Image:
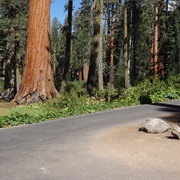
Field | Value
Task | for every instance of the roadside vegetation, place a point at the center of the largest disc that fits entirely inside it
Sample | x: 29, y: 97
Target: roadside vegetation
x: 76, y: 101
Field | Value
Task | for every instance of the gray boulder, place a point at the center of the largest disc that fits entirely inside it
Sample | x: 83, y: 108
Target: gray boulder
x: 154, y: 125
x: 175, y: 131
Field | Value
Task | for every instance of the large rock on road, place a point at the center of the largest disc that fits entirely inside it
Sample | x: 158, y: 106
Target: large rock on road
x: 154, y: 125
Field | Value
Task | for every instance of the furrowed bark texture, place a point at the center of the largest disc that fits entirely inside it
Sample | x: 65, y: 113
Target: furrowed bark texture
x: 94, y: 49
x: 155, y: 46
x: 37, y: 82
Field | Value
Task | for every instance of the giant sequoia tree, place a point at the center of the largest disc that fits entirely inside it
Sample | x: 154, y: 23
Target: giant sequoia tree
x: 37, y: 82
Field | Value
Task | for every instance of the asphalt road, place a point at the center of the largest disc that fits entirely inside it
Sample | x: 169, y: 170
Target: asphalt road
x: 60, y: 149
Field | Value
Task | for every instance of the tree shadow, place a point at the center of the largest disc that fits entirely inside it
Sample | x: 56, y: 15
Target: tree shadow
x: 172, y: 108
x: 172, y: 138
x: 168, y: 107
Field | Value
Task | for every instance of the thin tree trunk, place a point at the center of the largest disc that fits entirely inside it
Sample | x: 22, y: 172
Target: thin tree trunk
x: 126, y: 59
x: 68, y: 47
x: 37, y: 81
x: 111, y: 51
x: 54, y: 61
x: 85, y: 70
x: 134, y: 69
x: 100, y: 56
x: 155, y: 45
x: 166, y: 56
x: 18, y: 74
x: 94, y: 48
x: 130, y: 56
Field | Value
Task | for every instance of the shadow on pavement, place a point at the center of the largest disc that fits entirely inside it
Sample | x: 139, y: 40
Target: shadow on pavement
x: 168, y: 107
x: 175, y: 118
x: 174, y: 109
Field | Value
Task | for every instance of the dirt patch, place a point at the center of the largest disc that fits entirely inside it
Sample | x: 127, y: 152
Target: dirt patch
x: 138, y: 149
x: 8, y: 105
x: 5, y: 108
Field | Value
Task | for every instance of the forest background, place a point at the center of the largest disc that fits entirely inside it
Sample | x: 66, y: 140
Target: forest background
x: 107, y: 54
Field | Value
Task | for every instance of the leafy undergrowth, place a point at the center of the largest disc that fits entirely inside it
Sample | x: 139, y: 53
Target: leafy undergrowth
x: 76, y: 102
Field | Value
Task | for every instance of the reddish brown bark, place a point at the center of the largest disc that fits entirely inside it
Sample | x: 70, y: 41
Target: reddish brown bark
x: 111, y: 51
x: 155, y: 46
x: 37, y: 82
x: 111, y: 45
x: 83, y: 72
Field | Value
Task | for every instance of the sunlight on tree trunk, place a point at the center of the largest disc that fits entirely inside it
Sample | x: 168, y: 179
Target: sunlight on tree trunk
x: 126, y: 59
x: 100, y: 56
x: 37, y: 81
x: 155, y: 46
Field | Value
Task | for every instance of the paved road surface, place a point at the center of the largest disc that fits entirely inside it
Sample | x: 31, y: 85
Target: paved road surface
x: 58, y: 150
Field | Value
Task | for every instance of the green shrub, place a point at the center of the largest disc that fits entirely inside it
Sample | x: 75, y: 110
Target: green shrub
x: 145, y: 99
x: 77, y: 86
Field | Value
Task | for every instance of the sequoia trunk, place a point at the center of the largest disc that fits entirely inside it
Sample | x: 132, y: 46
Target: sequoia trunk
x: 37, y: 81
x: 155, y: 45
